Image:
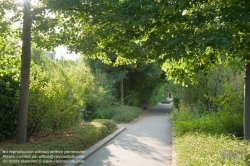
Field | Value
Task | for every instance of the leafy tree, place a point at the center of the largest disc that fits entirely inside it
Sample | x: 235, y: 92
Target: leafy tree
x: 141, y: 80
x: 8, y: 39
x: 185, y: 36
x: 220, y: 88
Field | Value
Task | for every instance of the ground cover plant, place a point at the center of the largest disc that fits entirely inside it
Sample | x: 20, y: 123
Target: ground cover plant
x: 120, y: 113
x: 209, y: 138
x: 77, y: 138
x: 213, y: 150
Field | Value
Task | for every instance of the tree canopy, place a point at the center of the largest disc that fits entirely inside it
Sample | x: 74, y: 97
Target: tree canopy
x: 182, y: 36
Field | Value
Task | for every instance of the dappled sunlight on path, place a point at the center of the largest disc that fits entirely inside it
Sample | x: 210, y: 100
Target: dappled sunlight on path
x: 146, y: 142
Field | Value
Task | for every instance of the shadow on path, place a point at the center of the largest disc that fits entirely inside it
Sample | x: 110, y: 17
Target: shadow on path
x: 146, y: 142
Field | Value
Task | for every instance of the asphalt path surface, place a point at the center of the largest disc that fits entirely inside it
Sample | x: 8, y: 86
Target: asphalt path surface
x: 147, y: 142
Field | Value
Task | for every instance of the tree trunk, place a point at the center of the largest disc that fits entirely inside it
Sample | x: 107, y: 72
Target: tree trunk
x: 247, y: 102
x: 122, y: 92
x: 25, y: 75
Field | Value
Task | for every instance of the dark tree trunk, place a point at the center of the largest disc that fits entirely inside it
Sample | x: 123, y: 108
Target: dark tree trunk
x: 247, y: 102
x: 122, y: 92
x: 25, y: 75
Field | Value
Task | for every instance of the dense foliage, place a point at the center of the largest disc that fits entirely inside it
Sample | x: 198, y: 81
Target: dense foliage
x: 184, y: 37
x: 62, y: 93
x: 9, y: 87
x: 221, y: 86
x: 208, y: 119
x: 189, y: 120
x: 58, y: 92
x: 187, y: 39
x: 55, y: 95
x: 143, y: 82
x: 214, y: 107
x: 10, y: 64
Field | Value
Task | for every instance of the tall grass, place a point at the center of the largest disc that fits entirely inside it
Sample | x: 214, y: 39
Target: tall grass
x: 213, y: 150
x: 209, y: 137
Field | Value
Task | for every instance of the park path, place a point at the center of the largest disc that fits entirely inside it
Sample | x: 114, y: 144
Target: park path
x: 147, y: 142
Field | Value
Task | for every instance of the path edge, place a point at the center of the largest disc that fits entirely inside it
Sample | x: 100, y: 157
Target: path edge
x: 174, y: 155
x: 85, y: 154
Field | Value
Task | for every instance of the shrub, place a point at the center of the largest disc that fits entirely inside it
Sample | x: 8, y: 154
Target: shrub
x: 133, y: 99
x: 177, y: 103
x: 232, y: 100
x: 122, y: 113
x: 9, y: 89
x: 220, y: 122
x: 222, y: 83
x: 98, y: 98
x: 9, y: 95
x: 156, y: 93
x: 56, y: 95
x: 103, y: 113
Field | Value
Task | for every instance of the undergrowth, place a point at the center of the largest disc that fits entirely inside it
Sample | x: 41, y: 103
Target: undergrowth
x: 209, y: 137
x: 119, y: 113
x: 211, y: 122
x: 77, y: 138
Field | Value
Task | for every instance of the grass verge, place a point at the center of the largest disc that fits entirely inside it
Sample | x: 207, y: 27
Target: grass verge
x: 61, y: 145
x: 202, y: 149
x: 65, y: 144
x: 209, y: 138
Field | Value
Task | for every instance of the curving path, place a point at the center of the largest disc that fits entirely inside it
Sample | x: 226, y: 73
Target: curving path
x: 147, y: 142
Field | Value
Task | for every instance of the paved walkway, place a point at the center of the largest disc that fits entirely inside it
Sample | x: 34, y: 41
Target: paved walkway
x: 147, y: 142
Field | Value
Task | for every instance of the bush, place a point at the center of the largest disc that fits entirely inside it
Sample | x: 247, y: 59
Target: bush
x: 156, y: 93
x: 9, y: 95
x: 133, y: 99
x: 103, y: 113
x: 99, y: 97
x: 220, y: 122
x: 177, y: 103
x: 56, y: 95
x: 222, y: 83
x: 232, y: 100
x: 122, y: 113
x: 9, y: 89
